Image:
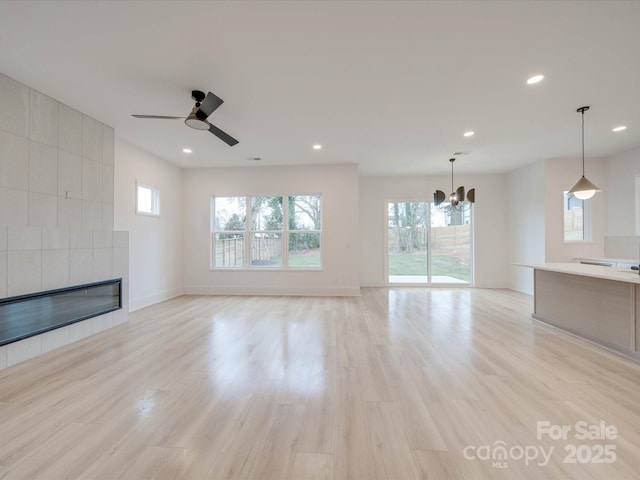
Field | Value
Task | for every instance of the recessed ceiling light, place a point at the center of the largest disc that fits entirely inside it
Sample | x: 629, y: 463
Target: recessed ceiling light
x: 535, y: 79
x: 187, y: 150
x: 620, y: 128
x: 317, y: 146
x: 469, y: 134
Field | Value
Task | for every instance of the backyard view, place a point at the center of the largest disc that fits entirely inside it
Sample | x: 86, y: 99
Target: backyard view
x: 414, y: 228
x: 281, y: 231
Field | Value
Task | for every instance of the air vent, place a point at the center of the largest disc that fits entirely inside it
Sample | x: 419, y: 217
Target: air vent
x: 461, y: 153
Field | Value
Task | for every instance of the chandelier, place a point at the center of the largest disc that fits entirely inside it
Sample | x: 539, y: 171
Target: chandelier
x: 456, y: 198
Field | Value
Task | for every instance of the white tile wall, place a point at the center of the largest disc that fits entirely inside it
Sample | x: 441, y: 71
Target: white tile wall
x: 24, y: 272
x: 91, y: 215
x: 14, y: 207
x: 91, y: 180
x: 80, y: 330
x: 14, y: 107
x: 120, y: 316
x: 107, y: 145
x: 55, y: 339
x: 69, y: 213
x: 91, y: 139
x: 56, y: 209
x: 4, y: 243
x: 43, y: 118
x: 69, y: 130
x: 43, y: 209
x: 107, y: 184
x: 107, y: 217
x: 24, y: 350
x: 53, y: 238
x: 3, y: 261
x: 3, y: 357
x: 49, y: 148
x: 14, y: 161
x: 43, y: 168
x: 69, y: 175
x: 103, y: 322
x: 80, y: 266
x: 80, y: 239
x: 3, y: 274
x: 622, y: 247
x: 102, y: 239
x: 24, y: 238
x: 102, y: 264
x: 55, y: 269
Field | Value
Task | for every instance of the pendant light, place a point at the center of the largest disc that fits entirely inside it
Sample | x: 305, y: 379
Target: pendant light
x: 456, y: 198
x: 584, y: 189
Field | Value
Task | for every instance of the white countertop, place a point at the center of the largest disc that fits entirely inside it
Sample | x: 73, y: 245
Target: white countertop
x: 595, y: 271
x: 609, y: 260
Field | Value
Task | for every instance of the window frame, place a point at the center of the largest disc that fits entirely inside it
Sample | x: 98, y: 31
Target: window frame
x: 249, y: 232
x: 587, y: 219
x: 155, y: 200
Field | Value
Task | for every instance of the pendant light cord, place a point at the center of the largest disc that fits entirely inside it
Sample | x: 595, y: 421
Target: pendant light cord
x: 452, y: 160
x: 583, y: 143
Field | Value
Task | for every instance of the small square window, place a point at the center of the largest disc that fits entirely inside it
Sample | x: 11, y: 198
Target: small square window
x: 147, y: 200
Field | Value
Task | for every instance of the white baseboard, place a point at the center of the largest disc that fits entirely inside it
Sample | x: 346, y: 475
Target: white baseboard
x: 273, y: 290
x: 138, y: 303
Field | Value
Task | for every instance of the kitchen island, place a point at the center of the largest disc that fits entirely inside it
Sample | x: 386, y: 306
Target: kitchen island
x: 600, y: 304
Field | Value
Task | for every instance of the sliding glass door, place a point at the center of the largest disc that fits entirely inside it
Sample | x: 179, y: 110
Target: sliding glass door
x: 407, y: 242
x: 428, y: 246
x: 451, y: 246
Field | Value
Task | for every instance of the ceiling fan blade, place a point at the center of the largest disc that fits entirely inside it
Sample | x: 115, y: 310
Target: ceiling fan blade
x: 208, y: 105
x: 161, y: 117
x: 228, y: 139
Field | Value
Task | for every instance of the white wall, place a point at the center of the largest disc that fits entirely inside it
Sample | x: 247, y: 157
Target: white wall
x: 536, y: 216
x: 559, y: 176
x: 155, y: 243
x: 490, y: 224
x: 621, y: 171
x: 338, y: 185
x: 526, y: 217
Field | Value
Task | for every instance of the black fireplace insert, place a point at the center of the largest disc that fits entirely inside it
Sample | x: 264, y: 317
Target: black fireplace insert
x: 28, y: 315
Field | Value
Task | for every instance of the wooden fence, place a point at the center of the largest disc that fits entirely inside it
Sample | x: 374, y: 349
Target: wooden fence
x: 229, y: 252
x: 451, y: 236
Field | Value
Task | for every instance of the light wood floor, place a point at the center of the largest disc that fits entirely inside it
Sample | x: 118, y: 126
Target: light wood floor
x: 396, y: 384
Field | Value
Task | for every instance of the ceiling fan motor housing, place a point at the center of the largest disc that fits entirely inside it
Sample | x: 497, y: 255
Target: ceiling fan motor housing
x: 198, y: 96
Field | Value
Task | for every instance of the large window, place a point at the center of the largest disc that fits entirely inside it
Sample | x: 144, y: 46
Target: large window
x: 281, y: 232
x: 577, y: 219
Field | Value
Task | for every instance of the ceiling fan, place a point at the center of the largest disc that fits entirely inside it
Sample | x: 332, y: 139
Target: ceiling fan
x: 205, y: 106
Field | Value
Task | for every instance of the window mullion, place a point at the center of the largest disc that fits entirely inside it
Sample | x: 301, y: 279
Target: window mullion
x: 285, y: 231
x: 248, y: 235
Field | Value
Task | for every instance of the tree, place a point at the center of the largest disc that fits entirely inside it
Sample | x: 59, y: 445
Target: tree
x: 234, y: 223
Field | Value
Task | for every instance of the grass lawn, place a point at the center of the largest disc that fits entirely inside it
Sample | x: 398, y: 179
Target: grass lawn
x: 300, y: 260
x: 416, y: 264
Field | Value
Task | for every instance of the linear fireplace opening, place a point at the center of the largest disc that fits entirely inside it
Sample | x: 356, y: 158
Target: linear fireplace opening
x: 28, y: 315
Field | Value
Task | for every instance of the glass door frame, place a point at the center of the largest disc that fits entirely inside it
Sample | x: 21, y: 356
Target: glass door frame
x: 429, y: 282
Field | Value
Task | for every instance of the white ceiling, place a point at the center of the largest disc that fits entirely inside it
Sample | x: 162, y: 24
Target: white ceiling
x: 389, y: 85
